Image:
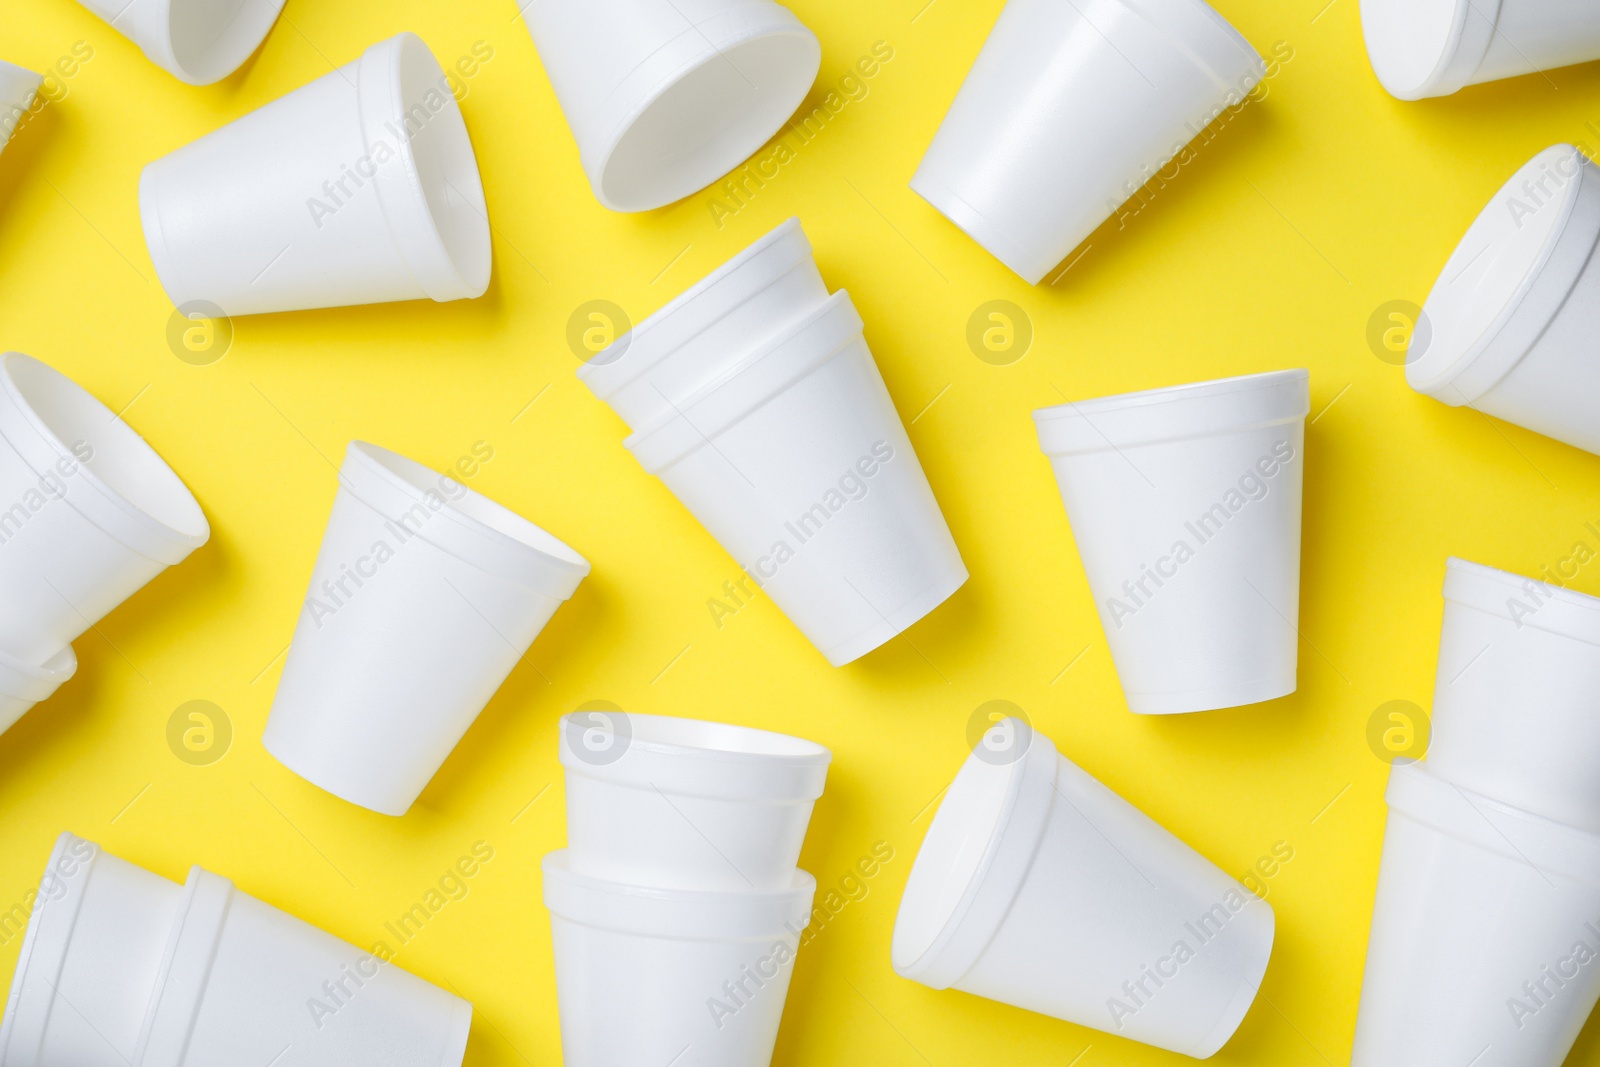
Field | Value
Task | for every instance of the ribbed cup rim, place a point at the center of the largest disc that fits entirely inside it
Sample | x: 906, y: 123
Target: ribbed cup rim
x: 25, y: 681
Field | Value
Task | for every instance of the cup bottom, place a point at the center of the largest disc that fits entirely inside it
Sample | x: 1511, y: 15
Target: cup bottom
x: 1237, y: 695
x: 898, y: 622
x: 330, y: 780
x: 976, y: 225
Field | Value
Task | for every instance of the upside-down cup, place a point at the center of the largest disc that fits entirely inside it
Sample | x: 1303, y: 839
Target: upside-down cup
x: 1516, y: 707
x: 1039, y: 887
x: 644, y: 373
x: 1422, y: 48
x: 196, y: 41
x: 1069, y: 110
x: 1512, y: 319
x: 23, y: 685
x: 1185, y: 506
x: 795, y: 460
x: 90, y: 962
x: 18, y: 85
x: 89, y: 514
x: 1485, y: 933
x: 685, y: 804
x: 666, y: 96
x: 122, y: 967
x: 693, y: 978
x: 424, y: 596
x: 359, y: 188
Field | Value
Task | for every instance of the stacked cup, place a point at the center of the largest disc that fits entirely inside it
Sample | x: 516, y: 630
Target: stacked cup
x: 123, y: 968
x: 88, y: 515
x: 1496, y: 834
x: 754, y: 397
x: 677, y: 904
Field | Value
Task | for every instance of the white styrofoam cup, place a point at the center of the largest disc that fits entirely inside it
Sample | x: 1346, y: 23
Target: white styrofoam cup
x: 424, y: 596
x: 196, y: 41
x: 1069, y: 111
x: 666, y: 96
x: 741, y: 304
x: 795, y: 460
x: 1185, y: 505
x: 1039, y: 887
x: 1510, y: 323
x: 22, y: 685
x: 359, y: 188
x: 89, y: 514
x: 654, y: 800
x: 1422, y: 48
x: 655, y: 976
x: 1485, y: 942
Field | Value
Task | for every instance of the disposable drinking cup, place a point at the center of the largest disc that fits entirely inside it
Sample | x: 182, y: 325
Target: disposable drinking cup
x: 1511, y: 320
x: 424, y: 597
x: 685, y: 804
x: 1185, y: 506
x: 18, y: 86
x: 644, y: 373
x: 1516, y: 708
x: 1037, y: 886
x: 96, y: 931
x: 241, y: 981
x: 795, y: 460
x: 1485, y: 943
x: 1069, y: 111
x: 1422, y: 48
x: 691, y: 978
x: 666, y: 96
x: 359, y: 188
x: 196, y: 41
x: 89, y: 514
x: 22, y: 685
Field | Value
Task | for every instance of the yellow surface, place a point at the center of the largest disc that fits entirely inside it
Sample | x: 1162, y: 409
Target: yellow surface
x: 1308, y: 210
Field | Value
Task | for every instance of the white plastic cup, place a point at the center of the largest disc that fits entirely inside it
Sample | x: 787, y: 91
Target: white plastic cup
x: 644, y: 373
x: 666, y: 96
x: 1516, y: 708
x: 359, y: 188
x: 686, y: 804
x: 242, y: 981
x: 196, y: 41
x: 1039, y: 887
x: 89, y: 514
x: 424, y: 597
x: 1070, y: 110
x: 659, y: 976
x: 90, y: 961
x: 1185, y: 506
x: 795, y: 460
x: 18, y: 86
x: 1422, y: 48
x: 1485, y: 943
x: 1510, y: 323
x: 22, y: 685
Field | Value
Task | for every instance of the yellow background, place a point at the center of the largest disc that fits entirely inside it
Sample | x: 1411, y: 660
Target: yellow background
x: 1310, y: 209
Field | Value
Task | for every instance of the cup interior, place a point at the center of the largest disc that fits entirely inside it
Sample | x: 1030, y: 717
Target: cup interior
x: 89, y: 435
x: 212, y: 38
x: 703, y: 122
x: 446, y: 165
